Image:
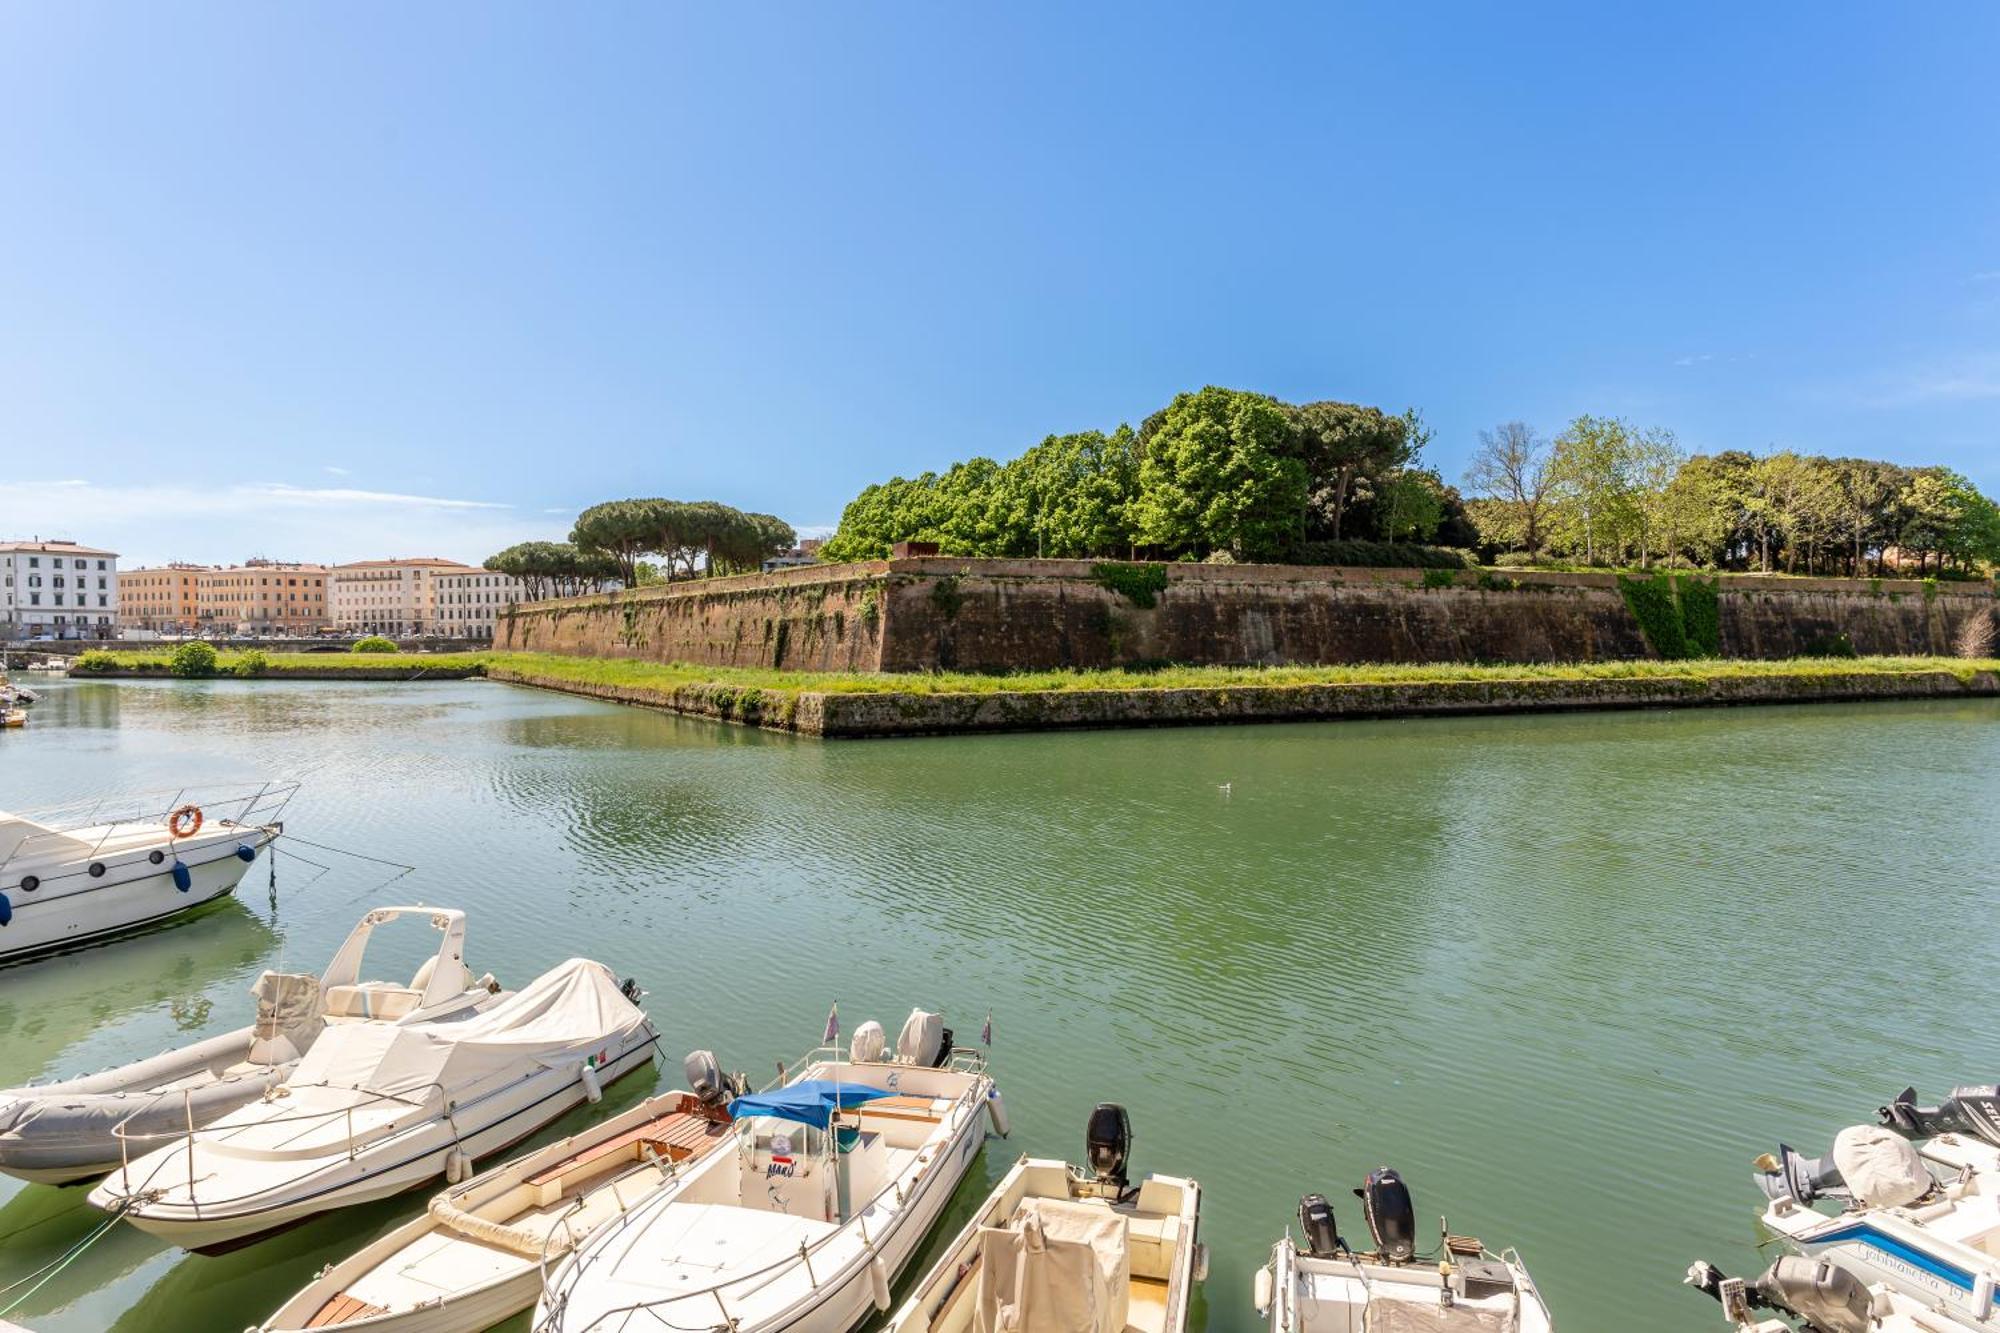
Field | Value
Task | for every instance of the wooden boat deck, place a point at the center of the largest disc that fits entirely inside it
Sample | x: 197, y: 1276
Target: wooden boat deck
x: 677, y: 1136
x: 342, y: 1309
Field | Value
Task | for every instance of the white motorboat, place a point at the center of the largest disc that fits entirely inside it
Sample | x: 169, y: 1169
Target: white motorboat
x: 1821, y: 1295
x: 1921, y: 1218
x: 68, y: 1131
x: 1327, y: 1287
x: 76, y: 875
x: 376, y: 1109
x: 1059, y: 1250
x: 478, y: 1254
x: 832, y: 1180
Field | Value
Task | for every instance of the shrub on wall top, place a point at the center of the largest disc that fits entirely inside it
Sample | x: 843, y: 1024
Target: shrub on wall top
x: 374, y: 643
x: 97, y: 659
x: 193, y: 659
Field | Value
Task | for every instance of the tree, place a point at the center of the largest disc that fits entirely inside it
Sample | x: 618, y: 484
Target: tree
x: 1948, y: 518
x: 622, y: 530
x: 1511, y: 468
x: 555, y: 569
x: 1803, y: 500
x: 1591, y: 478
x: 1343, y: 443
x: 1223, y: 473
x: 1654, y: 461
x: 1410, y: 505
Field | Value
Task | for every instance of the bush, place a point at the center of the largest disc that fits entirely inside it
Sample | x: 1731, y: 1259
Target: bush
x: 193, y: 659
x: 1651, y: 602
x: 1140, y: 585
x: 374, y: 643
x: 1384, y: 555
x: 251, y: 663
x: 1439, y: 578
x: 1828, y: 645
x: 97, y: 659
x: 1514, y: 560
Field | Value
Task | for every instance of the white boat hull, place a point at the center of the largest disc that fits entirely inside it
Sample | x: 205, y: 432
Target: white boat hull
x: 1303, y: 1294
x: 128, y: 897
x: 388, y: 1166
x: 836, y: 1301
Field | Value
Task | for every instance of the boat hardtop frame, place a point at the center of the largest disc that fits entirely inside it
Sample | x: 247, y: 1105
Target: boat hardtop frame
x: 133, y: 824
x: 958, y: 1092
x: 55, y: 1132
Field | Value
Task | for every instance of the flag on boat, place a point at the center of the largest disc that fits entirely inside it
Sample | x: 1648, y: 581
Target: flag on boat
x: 986, y: 1033
x: 832, y: 1026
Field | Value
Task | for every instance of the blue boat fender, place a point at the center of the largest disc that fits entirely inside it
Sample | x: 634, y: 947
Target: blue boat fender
x: 6, y: 910
x: 245, y: 852
x: 183, y: 877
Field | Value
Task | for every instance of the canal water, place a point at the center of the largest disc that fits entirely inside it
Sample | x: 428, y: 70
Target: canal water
x: 1569, y: 974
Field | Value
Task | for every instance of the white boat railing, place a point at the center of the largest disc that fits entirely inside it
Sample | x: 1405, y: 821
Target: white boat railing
x: 231, y: 808
x: 969, y: 1103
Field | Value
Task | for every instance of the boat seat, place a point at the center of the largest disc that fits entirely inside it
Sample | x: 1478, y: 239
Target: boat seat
x: 371, y: 999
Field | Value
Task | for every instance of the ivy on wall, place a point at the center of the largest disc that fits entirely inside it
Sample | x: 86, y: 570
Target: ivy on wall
x: 1651, y: 602
x: 1140, y: 585
x: 1701, y: 614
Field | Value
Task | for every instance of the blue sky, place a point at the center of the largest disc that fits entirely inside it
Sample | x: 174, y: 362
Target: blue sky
x: 329, y: 282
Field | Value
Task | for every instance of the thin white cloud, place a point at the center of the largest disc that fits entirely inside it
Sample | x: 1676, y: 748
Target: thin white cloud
x: 1963, y: 380
x: 559, y: 509
x: 1990, y: 275
x: 227, y: 523
x: 1694, y: 360
x: 335, y: 471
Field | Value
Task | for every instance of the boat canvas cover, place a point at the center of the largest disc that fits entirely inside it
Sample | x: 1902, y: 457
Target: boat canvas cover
x: 1881, y: 1168
x: 570, y: 1007
x: 810, y: 1101
x: 1062, y: 1268
x: 37, y: 841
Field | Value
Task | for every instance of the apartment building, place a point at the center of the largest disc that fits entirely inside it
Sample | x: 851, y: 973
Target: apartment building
x: 398, y: 598
x: 263, y: 597
x: 160, y: 599
x: 60, y: 589
x: 469, y: 602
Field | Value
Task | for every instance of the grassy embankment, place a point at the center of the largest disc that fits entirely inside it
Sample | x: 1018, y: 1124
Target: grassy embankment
x: 621, y: 673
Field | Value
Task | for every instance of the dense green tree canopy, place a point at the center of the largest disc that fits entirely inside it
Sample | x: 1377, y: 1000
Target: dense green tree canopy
x: 555, y: 569
x: 1218, y: 470
x: 1613, y: 494
x: 690, y: 537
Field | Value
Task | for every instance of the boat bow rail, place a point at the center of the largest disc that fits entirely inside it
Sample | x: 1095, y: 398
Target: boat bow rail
x: 707, y: 1310
x: 83, y: 830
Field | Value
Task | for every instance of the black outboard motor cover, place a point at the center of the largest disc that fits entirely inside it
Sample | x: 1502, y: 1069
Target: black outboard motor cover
x: 1972, y: 1110
x: 1392, y: 1219
x: 1800, y: 1178
x: 1108, y: 1142
x: 1819, y: 1291
x: 1316, y: 1222
x: 944, y: 1050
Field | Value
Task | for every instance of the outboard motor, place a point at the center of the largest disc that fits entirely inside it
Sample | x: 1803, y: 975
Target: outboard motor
x: 1790, y: 1175
x: 921, y: 1039
x: 869, y: 1045
x: 944, y: 1049
x: 1818, y: 1291
x: 1392, y: 1219
x: 1108, y: 1143
x: 705, y: 1078
x: 631, y: 990
x: 1316, y: 1223
x: 1972, y: 1110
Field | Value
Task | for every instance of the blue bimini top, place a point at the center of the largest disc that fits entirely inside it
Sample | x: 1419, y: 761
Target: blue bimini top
x: 811, y: 1102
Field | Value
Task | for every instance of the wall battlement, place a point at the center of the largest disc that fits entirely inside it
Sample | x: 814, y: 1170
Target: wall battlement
x: 952, y: 613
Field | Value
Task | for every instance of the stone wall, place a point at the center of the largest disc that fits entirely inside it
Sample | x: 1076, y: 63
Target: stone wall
x: 990, y: 615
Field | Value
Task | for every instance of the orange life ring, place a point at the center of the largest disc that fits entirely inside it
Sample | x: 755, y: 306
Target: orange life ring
x: 185, y: 822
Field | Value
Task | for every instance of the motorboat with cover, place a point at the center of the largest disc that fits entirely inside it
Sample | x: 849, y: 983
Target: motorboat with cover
x: 1915, y: 1203
x: 1325, y: 1286
x: 374, y: 1109
x: 56, y: 1133
x: 478, y: 1254
x: 831, y: 1180
x: 1819, y: 1294
x: 77, y: 873
x: 1056, y: 1249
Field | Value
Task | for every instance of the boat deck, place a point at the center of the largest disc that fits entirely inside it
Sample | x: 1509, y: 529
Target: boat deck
x: 443, y: 1263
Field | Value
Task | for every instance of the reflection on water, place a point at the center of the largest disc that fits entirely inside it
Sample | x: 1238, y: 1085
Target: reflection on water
x: 1568, y: 973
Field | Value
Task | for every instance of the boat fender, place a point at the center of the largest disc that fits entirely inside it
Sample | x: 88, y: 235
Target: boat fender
x: 996, y: 1111
x: 183, y: 877
x: 457, y: 1166
x: 878, y: 1282
x: 1261, y: 1292
x: 1201, y: 1263
x: 6, y: 910
x: 245, y: 852
x: 593, y: 1089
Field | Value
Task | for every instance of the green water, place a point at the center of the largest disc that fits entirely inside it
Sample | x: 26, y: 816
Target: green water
x: 1568, y: 973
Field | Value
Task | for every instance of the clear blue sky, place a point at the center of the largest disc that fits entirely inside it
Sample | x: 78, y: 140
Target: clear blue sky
x: 342, y: 281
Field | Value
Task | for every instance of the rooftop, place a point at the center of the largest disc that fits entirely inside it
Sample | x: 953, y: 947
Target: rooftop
x: 55, y: 547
